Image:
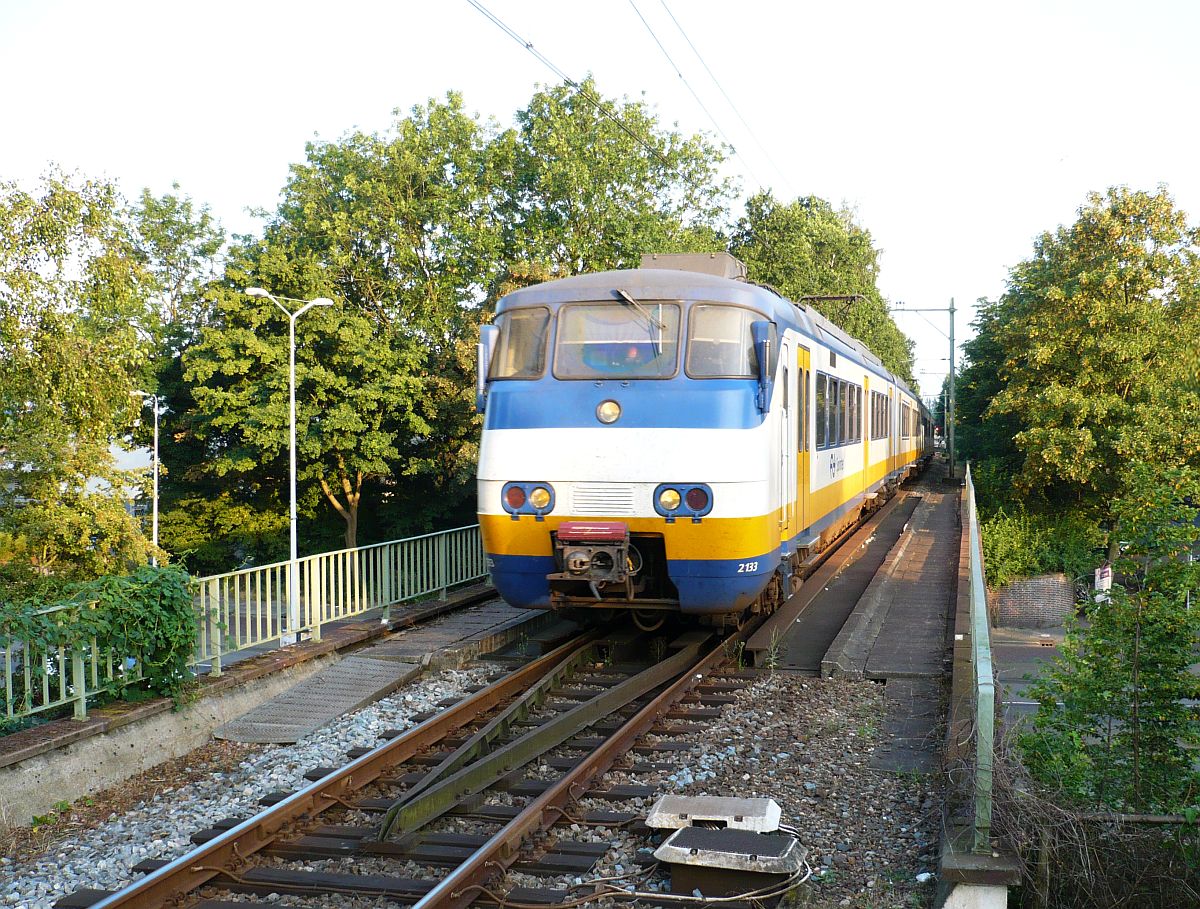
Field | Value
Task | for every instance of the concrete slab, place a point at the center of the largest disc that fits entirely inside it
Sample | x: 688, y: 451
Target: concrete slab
x: 900, y: 629
x: 911, y: 642
x: 377, y: 670
x: 808, y: 640
x: 354, y: 682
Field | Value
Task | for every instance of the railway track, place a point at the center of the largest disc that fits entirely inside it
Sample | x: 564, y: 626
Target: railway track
x: 442, y: 814
x: 438, y: 815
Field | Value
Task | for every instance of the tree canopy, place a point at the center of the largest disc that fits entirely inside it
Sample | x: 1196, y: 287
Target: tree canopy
x: 75, y: 334
x: 1087, y: 366
x: 415, y: 232
x: 806, y: 248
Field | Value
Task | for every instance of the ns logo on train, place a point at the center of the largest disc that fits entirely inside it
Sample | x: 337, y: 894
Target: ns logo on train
x: 676, y: 439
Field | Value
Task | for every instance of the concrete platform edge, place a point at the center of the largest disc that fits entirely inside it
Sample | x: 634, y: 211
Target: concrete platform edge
x: 847, y: 656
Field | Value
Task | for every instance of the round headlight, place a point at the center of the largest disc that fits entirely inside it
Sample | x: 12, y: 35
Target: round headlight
x: 515, y: 497
x: 668, y: 499
x: 608, y: 411
x: 697, y: 499
x: 539, y: 497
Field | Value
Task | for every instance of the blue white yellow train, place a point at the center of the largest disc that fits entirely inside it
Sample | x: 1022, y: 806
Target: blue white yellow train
x: 675, y: 438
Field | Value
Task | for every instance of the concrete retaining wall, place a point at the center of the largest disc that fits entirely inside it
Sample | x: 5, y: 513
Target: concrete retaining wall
x: 32, y: 786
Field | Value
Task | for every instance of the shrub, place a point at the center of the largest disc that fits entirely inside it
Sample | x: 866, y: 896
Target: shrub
x: 1019, y: 544
x: 147, y: 616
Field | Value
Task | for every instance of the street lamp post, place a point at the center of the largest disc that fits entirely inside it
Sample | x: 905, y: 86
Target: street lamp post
x: 293, y: 578
x: 153, y: 398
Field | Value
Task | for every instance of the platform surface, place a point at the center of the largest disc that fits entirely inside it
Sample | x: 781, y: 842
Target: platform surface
x: 370, y: 674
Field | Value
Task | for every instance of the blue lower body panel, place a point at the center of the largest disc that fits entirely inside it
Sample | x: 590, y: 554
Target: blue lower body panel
x: 705, y: 587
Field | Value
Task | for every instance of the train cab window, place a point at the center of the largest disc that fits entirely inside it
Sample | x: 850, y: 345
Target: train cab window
x: 617, y: 341
x: 720, y: 345
x: 521, y: 349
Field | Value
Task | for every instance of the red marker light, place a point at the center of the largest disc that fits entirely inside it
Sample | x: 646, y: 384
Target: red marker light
x: 515, y: 497
x: 697, y: 499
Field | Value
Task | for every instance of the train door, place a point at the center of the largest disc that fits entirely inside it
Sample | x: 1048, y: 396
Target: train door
x: 864, y: 427
x: 891, y: 436
x: 787, y: 448
x: 803, y: 414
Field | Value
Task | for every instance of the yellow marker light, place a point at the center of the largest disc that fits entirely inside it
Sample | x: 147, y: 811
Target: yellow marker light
x: 608, y: 411
x: 669, y: 499
x: 539, y: 497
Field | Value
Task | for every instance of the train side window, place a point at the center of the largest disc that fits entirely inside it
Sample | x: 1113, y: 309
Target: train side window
x: 858, y: 414
x: 822, y: 429
x: 843, y: 412
x: 521, y: 349
x: 852, y: 413
x: 835, y: 412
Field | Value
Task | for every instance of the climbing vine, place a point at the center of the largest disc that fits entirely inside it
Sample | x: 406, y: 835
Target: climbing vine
x: 145, y: 620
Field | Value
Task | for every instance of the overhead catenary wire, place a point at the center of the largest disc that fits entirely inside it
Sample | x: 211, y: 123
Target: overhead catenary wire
x: 695, y: 95
x: 728, y: 100
x: 580, y: 91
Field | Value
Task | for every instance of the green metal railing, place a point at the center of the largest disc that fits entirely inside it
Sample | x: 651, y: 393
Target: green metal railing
x: 249, y: 608
x: 985, y: 682
x: 242, y: 609
x: 44, y: 677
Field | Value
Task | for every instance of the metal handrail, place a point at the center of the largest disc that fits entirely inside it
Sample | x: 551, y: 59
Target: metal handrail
x: 985, y: 682
x: 238, y: 610
x: 247, y: 608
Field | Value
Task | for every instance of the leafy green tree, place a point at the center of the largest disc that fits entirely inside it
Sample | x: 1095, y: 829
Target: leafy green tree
x: 1117, y: 721
x: 72, y: 296
x: 413, y: 232
x: 805, y: 248
x: 587, y: 191
x: 400, y: 230
x: 1088, y: 362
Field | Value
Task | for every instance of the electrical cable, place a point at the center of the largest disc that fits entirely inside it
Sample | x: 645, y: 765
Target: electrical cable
x: 583, y: 93
x: 728, y: 99
x: 688, y: 85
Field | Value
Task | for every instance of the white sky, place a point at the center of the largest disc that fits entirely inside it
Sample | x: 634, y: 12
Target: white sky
x: 956, y: 131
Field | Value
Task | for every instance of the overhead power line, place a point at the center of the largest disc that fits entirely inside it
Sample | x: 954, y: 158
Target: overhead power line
x: 688, y: 85
x: 582, y: 92
x: 728, y: 99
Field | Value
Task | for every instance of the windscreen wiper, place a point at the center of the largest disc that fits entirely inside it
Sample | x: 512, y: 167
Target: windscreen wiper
x: 656, y: 342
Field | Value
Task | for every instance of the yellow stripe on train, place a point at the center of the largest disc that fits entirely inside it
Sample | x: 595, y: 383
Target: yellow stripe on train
x: 712, y: 538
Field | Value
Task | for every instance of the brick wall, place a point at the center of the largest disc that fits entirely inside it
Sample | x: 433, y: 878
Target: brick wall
x: 1044, y: 601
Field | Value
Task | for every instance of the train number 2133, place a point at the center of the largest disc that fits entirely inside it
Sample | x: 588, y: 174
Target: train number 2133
x: 747, y: 567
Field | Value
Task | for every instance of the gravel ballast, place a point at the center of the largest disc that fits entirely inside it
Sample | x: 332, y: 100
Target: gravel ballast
x: 871, y: 836
x: 160, y: 826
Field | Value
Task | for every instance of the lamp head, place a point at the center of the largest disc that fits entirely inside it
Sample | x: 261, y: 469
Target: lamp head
x: 256, y: 292
x: 138, y: 393
x: 322, y: 301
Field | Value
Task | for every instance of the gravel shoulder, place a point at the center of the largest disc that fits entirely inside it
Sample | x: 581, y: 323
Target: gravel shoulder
x: 807, y: 743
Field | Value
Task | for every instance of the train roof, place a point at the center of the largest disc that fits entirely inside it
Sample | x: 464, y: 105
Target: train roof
x: 667, y: 283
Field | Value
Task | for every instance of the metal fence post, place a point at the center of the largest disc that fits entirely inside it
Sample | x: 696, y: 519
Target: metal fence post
x: 214, y: 629
x: 442, y: 567
x: 79, y: 677
x: 316, y: 605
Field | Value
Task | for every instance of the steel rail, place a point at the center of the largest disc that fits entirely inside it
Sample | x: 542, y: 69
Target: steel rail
x: 229, y: 850
x: 462, y: 886
x: 409, y: 815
